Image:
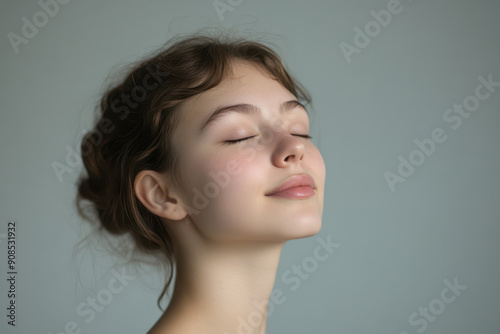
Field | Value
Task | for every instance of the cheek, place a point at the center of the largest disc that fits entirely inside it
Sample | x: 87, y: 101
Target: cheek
x: 235, y: 176
x: 230, y: 186
x: 319, y: 165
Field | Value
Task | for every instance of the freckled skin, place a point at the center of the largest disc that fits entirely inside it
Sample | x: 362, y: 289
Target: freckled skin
x: 241, y: 211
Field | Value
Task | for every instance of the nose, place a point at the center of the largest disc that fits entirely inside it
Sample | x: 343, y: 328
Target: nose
x: 289, y: 149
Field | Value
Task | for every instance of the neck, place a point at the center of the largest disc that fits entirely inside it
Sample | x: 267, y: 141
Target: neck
x: 224, y: 287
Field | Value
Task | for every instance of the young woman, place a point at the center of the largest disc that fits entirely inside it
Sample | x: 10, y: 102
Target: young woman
x: 205, y: 159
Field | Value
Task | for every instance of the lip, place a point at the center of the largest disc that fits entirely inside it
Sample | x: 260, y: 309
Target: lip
x: 300, y: 185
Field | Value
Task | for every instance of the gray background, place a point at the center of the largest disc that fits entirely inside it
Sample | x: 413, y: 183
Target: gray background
x: 396, y: 248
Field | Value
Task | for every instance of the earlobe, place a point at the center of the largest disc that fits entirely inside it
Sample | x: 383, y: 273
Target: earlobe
x: 156, y: 195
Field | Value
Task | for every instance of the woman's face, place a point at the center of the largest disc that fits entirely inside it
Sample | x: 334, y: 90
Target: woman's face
x: 225, y: 185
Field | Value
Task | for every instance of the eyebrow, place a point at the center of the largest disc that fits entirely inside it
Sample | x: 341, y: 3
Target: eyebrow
x: 249, y: 109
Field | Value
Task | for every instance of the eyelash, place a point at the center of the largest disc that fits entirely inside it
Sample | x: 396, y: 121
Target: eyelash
x: 231, y: 142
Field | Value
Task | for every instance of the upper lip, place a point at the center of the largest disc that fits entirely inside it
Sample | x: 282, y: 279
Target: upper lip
x: 294, y: 181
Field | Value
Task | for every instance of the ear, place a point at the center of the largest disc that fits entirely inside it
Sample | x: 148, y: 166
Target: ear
x: 158, y: 195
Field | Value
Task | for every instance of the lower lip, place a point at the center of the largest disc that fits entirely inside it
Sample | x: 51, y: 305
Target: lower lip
x: 295, y: 192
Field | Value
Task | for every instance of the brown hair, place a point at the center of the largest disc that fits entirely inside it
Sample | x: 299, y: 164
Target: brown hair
x: 136, y: 120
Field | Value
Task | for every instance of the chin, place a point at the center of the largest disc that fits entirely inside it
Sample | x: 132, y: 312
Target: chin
x: 303, y: 228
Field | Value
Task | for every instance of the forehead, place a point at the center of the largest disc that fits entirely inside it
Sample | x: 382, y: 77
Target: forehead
x: 244, y: 83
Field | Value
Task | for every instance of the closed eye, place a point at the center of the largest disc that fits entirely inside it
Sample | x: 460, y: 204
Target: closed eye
x: 243, y: 139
